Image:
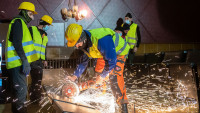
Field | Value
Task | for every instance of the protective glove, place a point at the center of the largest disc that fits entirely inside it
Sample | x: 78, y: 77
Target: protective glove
x: 26, y: 67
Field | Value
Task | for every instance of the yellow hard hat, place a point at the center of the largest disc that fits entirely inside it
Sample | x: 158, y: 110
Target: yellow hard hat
x: 47, y: 19
x: 28, y: 6
x: 73, y: 34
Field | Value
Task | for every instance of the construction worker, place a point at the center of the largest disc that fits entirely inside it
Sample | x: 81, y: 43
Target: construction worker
x: 133, y: 37
x: 40, y: 40
x: 19, y: 53
x: 109, y: 48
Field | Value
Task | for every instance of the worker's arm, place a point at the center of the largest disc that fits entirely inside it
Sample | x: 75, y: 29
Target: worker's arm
x: 46, y: 47
x: 82, y: 66
x: 46, y: 52
x: 16, y: 35
x: 31, y: 31
x: 138, y: 36
x: 43, y: 33
x: 107, y: 48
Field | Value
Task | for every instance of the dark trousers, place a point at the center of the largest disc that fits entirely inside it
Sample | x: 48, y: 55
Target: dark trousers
x: 19, y: 90
x: 36, y: 76
x: 130, y: 57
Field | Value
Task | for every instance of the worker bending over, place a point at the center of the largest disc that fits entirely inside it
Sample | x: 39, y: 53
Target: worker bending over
x: 107, y: 46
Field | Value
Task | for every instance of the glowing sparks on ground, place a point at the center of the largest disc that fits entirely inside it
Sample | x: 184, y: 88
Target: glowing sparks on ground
x: 105, y: 103
x: 152, y: 93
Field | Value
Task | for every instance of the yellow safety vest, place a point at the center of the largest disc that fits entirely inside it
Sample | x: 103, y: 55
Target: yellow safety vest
x: 12, y: 59
x: 131, y: 37
x: 39, y: 43
x: 121, y: 46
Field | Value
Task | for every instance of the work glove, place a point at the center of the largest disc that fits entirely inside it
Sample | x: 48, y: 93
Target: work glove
x: 26, y: 67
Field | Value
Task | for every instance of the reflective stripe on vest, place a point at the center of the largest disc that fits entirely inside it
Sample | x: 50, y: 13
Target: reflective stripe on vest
x: 39, y: 43
x: 131, y: 38
x: 11, y: 57
x: 131, y: 41
x: 17, y: 57
x: 40, y: 52
x: 23, y: 44
x: 116, y: 39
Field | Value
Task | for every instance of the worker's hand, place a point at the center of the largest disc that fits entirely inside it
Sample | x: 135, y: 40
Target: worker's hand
x: 26, y: 67
x: 45, y: 63
x: 135, y: 49
x: 99, y: 80
x: 72, y: 78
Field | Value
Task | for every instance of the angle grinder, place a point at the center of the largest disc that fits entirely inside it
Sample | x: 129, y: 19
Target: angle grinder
x: 71, y: 89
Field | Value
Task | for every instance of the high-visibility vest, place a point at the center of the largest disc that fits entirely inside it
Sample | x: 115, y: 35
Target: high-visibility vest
x: 121, y: 46
x: 11, y: 56
x: 39, y: 43
x: 131, y: 41
x: 131, y: 36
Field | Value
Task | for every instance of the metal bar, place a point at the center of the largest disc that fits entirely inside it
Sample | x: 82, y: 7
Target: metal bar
x: 73, y: 103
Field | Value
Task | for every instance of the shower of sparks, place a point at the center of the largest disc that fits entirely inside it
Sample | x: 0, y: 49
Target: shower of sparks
x: 154, y: 93
x: 160, y: 93
x: 42, y: 106
x: 105, y: 103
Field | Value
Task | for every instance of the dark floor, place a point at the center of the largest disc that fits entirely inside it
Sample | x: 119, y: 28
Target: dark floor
x: 33, y: 108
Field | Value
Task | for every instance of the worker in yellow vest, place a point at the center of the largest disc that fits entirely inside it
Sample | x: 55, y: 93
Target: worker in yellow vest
x: 19, y: 53
x: 40, y: 40
x: 110, y: 49
x: 133, y: 37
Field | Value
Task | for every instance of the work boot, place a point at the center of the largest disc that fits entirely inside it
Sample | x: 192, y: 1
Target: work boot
x: 124, y: 108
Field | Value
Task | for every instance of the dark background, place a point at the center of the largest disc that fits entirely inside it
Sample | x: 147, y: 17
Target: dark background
x: 160, y: 21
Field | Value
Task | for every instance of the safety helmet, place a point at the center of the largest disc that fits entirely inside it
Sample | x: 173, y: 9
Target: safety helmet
x: 47, y: 19
x: 28, y: 6
x: 73, y: 34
